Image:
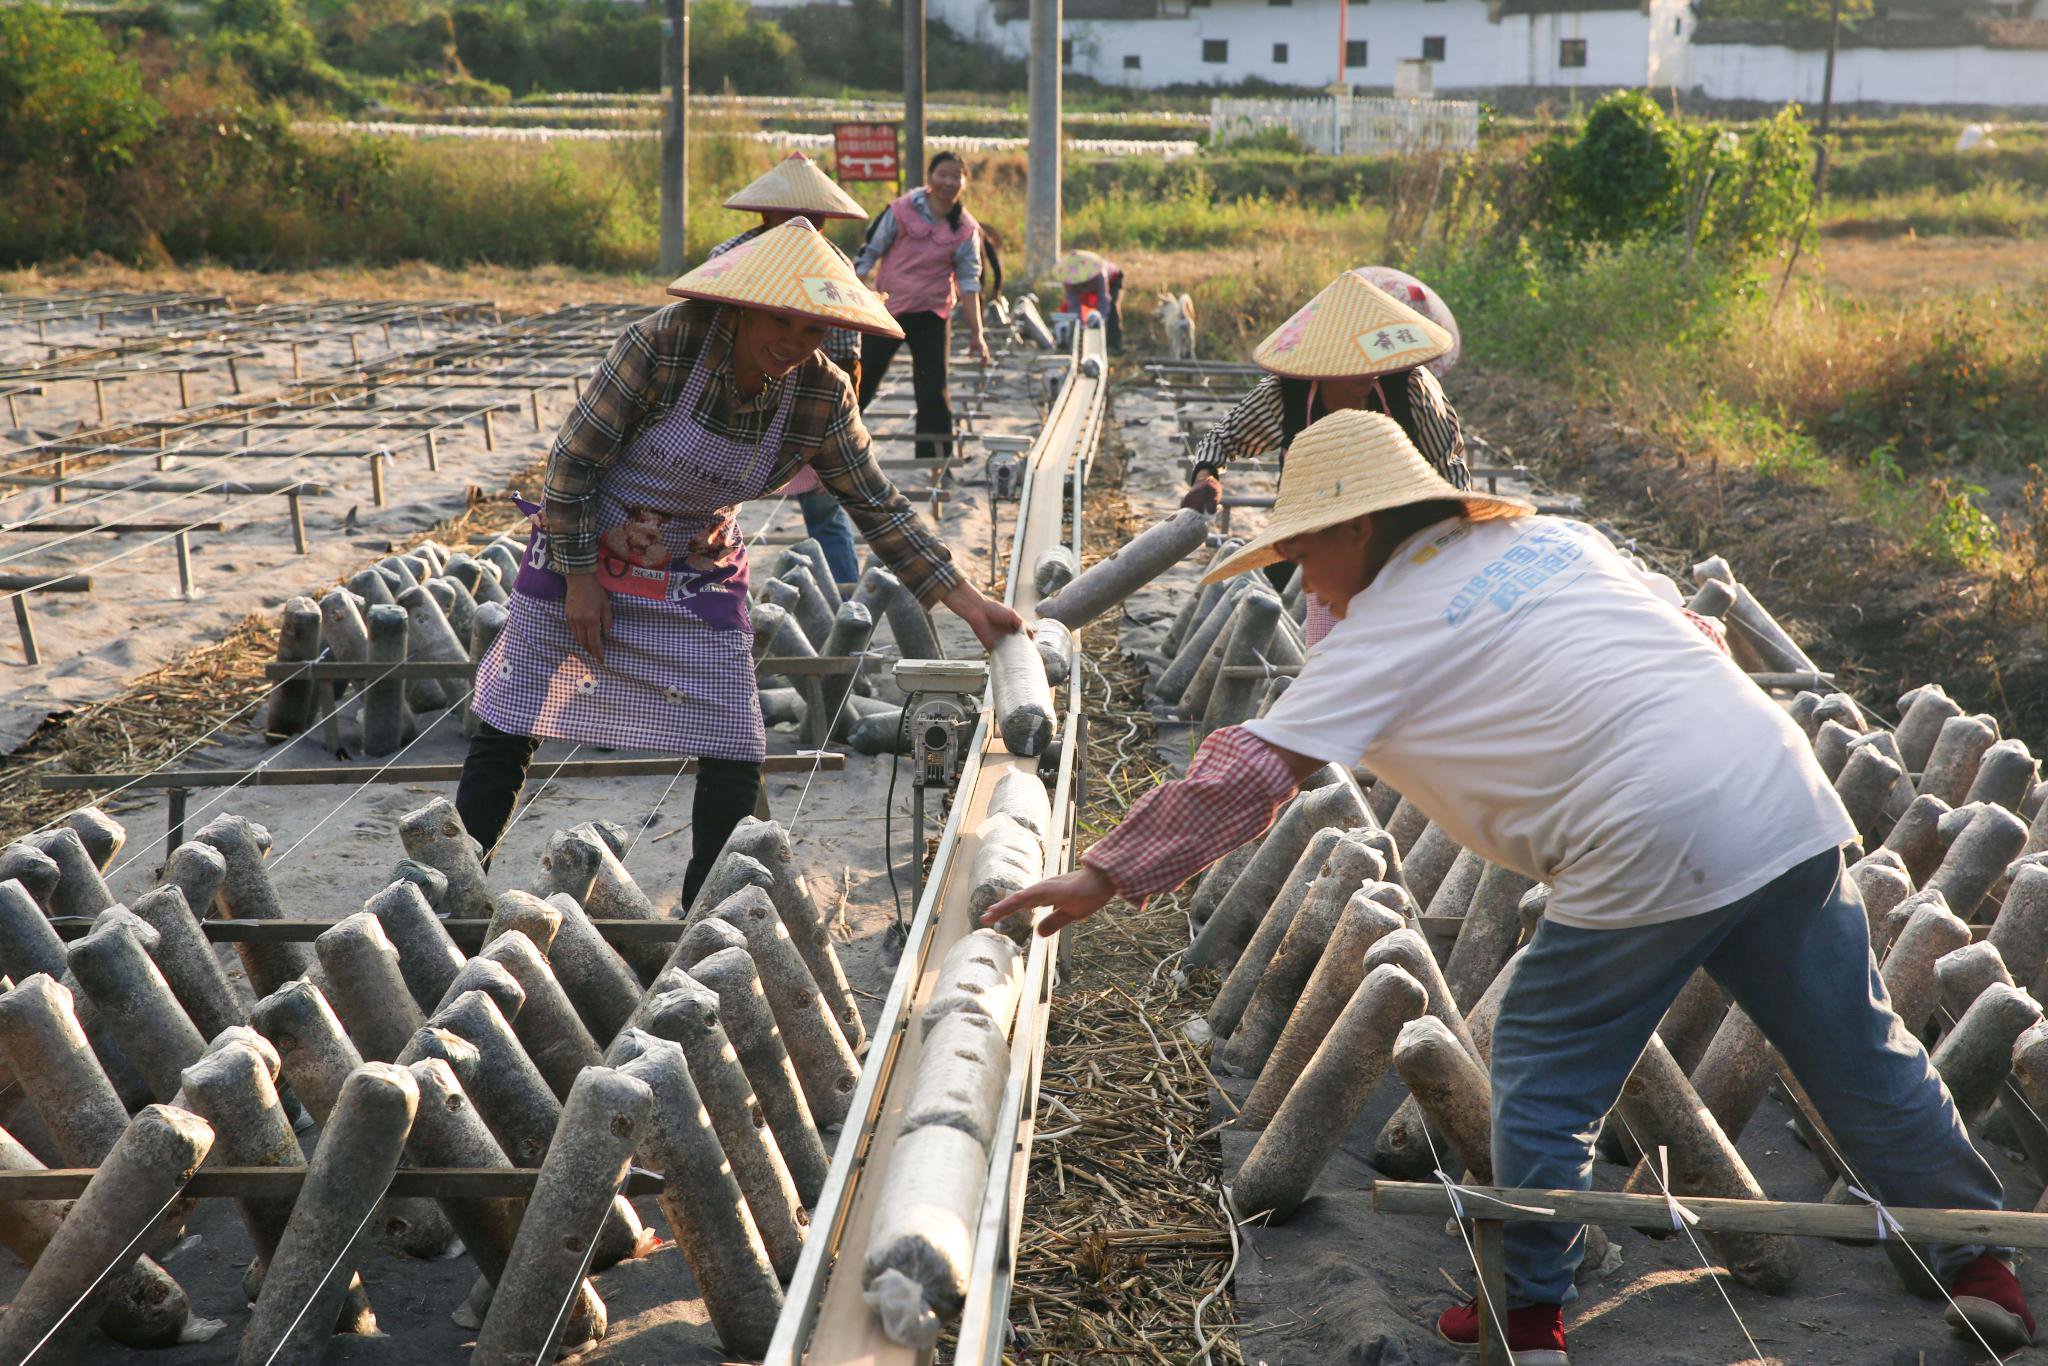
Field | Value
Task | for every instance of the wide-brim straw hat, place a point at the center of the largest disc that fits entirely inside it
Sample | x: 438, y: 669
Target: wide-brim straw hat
x: 1351, y: 330
x: 1419, y: 296
x: 1079, y: 268
x: 792, y: 271
x: 1344, y: 466
x: 796, y: 184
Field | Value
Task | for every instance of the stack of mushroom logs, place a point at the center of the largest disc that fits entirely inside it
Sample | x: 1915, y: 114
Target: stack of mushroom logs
x: 717, y: 1064
x: 1328, y: 981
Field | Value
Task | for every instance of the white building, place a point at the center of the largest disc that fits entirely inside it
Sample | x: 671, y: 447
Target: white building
x: 1923, y: 52
x: 1473, y: 45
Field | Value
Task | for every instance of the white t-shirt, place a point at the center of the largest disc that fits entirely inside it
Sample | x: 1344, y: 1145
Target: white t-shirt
x: 1528, y: 688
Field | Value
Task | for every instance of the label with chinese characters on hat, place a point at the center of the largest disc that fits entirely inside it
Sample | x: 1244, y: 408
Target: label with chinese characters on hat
x: 1390, y: 343
x: 826, y: 292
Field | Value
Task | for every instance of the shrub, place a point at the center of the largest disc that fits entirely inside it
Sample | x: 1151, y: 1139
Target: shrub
x: 66, y: 101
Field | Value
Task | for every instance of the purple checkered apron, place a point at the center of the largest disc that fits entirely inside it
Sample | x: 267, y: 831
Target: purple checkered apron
x: 678, y: 671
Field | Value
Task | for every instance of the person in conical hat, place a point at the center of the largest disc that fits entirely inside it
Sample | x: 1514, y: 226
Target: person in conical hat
x: 1352, y: 346
x: 628, y: 625
x: 795, y: 186
x: 1091, y: 281
x: 1551, y: 707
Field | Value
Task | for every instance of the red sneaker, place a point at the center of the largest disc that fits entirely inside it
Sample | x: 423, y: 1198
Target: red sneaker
x: 1535, y: 1332
x: 1987, y: 1303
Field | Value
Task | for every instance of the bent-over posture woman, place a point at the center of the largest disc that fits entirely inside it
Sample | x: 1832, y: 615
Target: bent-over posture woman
x: 629, y: 623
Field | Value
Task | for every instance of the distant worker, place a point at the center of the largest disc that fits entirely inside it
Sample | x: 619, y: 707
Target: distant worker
x: 924, y: 253
x: 797, y: 185
x: 1352, y: 346
x: 1553, y: 709
x: 1094, y: 284
x: 629, y: 625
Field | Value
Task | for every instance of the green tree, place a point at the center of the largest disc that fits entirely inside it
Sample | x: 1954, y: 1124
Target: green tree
x: 276, y: 51
x: 66, y: 100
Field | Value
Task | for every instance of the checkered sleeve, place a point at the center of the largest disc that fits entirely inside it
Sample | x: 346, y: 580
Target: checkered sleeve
x: 845, y: 464
x: 1252, y: 428
x: 1708, y: 627
x: 1233, y: 789
x: 1437, y: 432
x: 615, y: 399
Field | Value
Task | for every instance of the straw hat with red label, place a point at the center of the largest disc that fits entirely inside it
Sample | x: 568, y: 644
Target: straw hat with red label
x: 1344, y: 466
x: 1079, y: 268
x: 796, y: 184
x: 1351, y: 330
x: 792, y: 271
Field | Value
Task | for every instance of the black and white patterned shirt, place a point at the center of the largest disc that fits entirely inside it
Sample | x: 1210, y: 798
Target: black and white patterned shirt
x: 1258, y: 426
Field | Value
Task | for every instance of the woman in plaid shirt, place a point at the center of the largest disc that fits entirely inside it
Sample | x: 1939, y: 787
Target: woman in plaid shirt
x: 628, y: 625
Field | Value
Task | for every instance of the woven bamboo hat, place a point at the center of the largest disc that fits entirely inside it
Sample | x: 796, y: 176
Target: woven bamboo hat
x: 1344, y: 466
x: 796, y: 184
x: 1350, y: 330
x: 793, y: 271
x: 1079, y: 268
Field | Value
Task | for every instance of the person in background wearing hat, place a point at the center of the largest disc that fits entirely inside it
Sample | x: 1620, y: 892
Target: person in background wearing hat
x: 1092, y: 282
x: 924, y: 253
x: 795, y: 186
x: 1357, y: 345
x: 629, y: 625
x: 1550, y: 707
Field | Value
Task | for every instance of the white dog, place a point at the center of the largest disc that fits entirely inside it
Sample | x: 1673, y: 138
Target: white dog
x: 1177, y: 313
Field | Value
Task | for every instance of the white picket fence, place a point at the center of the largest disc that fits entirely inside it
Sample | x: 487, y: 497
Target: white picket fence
x: 808, y: 142
x: 1341, y: 125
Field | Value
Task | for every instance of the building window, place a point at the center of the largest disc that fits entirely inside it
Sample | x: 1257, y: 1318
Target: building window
x: 1354, y: 52
x: 1066, y: 52
x: 1432, y: 49
x: 1215, y: 49
x: 1131, y: 61
x: 1571, y: 52
x: 1279, y: 54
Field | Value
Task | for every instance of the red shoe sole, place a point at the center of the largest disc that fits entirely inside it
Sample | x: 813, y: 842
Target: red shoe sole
x: 2004, y: 1330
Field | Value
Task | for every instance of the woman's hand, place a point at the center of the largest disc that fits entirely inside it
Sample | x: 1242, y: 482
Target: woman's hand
x: 987, y: 618
x: 589, y: 610
x: 1073, y: 896
x: 981, y: 355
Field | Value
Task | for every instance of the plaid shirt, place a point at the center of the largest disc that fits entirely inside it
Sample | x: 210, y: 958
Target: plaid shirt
x: 1256, y: 427
x: 1233, y: 789
x: 842, y: 344
x: 642, y: 378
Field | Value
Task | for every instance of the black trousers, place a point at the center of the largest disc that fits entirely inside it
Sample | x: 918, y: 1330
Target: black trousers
x: 495, y: 769
x: 927, y: 335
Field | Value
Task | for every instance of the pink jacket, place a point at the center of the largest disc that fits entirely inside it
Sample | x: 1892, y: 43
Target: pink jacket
x: 917, y: 274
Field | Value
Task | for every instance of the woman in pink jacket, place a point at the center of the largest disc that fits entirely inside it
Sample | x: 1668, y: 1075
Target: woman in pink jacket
x: 924, y: 254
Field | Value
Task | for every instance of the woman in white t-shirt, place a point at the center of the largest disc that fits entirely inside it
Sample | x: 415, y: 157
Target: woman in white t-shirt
x: 1544, y: 703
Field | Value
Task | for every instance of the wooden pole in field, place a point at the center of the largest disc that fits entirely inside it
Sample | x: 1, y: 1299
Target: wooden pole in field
x: 913, y: 91
x: 1042, y: 188
x: 675, y: 135
x: 1827, y: 99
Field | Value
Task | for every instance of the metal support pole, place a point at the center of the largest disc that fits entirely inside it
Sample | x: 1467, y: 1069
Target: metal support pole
x: 433, y: 452
x: 377, y: 479
x: 298, y: 513
x: 183, y: 541
x: 27, y: 625
x: 1827, y: 100
x: 1042, y: 189
x: 913, y: 90
x: 675, y: 135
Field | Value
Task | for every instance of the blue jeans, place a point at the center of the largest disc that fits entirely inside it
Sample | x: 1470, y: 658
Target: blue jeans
x: 828, y: 523
x: 1796, y: 956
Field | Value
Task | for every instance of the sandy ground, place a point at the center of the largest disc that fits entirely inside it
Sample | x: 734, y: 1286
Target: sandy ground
x: 94, y: 643
x: 336, y: 845
x: 1341, y: 1284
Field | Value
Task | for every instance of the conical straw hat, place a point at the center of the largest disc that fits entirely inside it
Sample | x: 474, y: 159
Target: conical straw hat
x: 793, y: 271
x: 1350, y: 330
x: 796, y: 184
x: 1079, y: 267
x: 1344, y: 466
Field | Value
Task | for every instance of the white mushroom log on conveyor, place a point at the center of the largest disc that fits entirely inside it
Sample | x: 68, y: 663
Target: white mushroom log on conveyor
x: 1136, y: 563
x: 921, y: 1245
x: 1008, y: 857
x: 982, y: 974
x: 1020, y: 695
x: 960, y: 1076
x: 1056, y: 567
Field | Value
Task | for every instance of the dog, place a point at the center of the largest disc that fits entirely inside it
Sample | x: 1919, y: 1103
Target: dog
x: 1176, y: 312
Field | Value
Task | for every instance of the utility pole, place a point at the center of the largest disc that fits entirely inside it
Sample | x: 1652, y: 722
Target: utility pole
x: 675, y: 135
x: 913, y: 92
x: 1827, y: 99
x: 1042, y: 177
